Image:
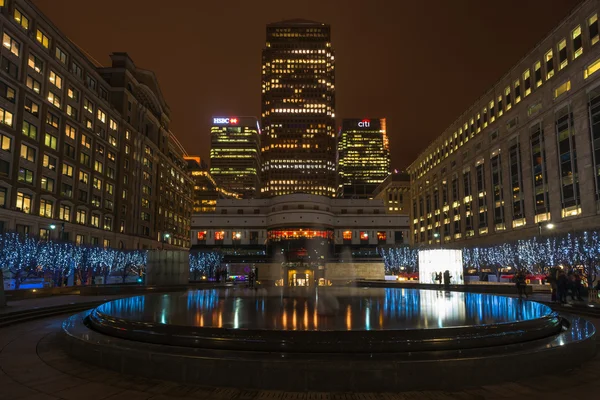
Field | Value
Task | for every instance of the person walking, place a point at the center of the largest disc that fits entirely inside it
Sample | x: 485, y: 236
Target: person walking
x: 562, y: 284
x: 551, y: 279
x: 521, y: 284
x: 577, y: 286
x: 447, y: 278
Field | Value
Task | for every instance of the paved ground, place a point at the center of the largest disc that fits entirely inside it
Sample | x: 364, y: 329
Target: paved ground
x: 33, y: 366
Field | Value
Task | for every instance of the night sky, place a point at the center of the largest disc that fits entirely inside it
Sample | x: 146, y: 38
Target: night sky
x: 418, y: 63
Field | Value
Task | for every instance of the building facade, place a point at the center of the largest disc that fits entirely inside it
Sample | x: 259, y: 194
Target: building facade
x: 85, y: 149
x: 298, y: 110
x: 235, y: 154
x: 205, y: 190
x: 363, y: 156
x: 526, y: 154
x: 301, y: 239
x: 395, y: 193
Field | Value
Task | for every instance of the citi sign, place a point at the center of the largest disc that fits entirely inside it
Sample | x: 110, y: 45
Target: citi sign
x: 365, y: 123
x: 225, y: 120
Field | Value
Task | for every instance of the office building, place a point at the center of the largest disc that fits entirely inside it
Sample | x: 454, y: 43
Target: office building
x: 235, y: 154
x: 300, y: 239
x: 526, y: 156
x: 86, y: 149
x: 298, y: 110
x: 395, y: 193
x: 205, y: 189
x: 363, y: 156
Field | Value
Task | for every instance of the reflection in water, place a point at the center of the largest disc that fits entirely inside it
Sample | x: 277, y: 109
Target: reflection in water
x: 333, y: 309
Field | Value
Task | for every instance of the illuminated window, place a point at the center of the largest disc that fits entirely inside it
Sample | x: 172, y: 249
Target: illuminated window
x: 381, y: 237
x: 70, y: 131
x: 593, y: 29
x: 220, y: 235
x: 33, y: 84
x: 45, y: 208
x: 27, y: 153
x: 101, y: 115
x: 55, y: 79
x: 527, y: 83
x: 23, y: 202
x: 549, y: 60
x: 52, y: 120
x: 47, y: 183
x: 347, y: 235
x: 81, y: 217
x: 562, y: 54
x: 50, y: 141
x: 592, y: 68
x: 42, y: 38
x: 64, y: 212
x: 537, y: 74
x: 517, y: 87
x: 364, y: 236
x: 21, y: 19
x: 88, y: 106
x: 507, y: 97
x: 565, y: 87
x: 54, y: 99
x: 202, y: 236
x: 98, y: 166
x: 84, y: 177
x: 60, y: 55
x: 6, y: 117
x: 236, y: 235
x: 35, y: 63
x: 49, y: 162
x: 86, y: 141
x: 25, y: 175
x: 11, y: 44
x: 67, y: 170
x: 577, y: 42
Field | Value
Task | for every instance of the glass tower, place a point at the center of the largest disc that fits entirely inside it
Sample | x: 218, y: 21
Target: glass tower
x: 364, y: 156
x: 235, y: 154
x: 298, y: 110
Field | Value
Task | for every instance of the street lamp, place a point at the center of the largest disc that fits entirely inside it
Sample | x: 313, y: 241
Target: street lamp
x: 549, y: 225
x: 436, y: 235
x: 52, y: 229
x: 166, y: 237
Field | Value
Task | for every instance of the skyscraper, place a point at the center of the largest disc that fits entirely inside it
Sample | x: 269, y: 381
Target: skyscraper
x: 364, y: 156
x: 235, y: 154
x: 298, y: 109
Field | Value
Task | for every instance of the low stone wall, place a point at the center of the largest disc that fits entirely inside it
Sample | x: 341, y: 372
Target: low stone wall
x: 345, y: 272
x: 167, y: 267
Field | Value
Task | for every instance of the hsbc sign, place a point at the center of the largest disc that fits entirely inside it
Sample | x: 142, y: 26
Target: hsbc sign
x: 225, y: 120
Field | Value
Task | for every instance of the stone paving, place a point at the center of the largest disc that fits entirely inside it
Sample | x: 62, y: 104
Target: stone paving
x: 33, y: 366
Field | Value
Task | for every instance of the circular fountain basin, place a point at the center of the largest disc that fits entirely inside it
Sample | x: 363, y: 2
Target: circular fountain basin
x: 326, y: 320
x: 329, y: 339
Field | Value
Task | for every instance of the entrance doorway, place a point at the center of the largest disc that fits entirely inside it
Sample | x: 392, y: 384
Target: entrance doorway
x: 301, y: 278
